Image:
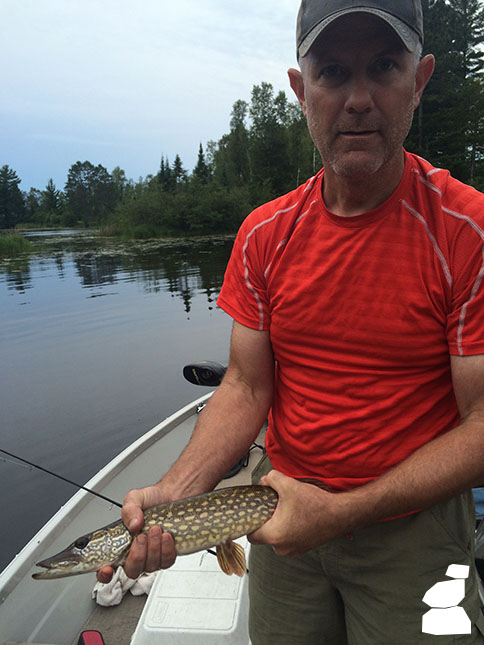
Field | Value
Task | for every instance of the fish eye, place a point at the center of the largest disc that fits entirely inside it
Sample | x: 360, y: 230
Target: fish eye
x: 82, y: 542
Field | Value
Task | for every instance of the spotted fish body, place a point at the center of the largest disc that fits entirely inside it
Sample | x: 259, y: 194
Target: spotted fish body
x: 196, y: 523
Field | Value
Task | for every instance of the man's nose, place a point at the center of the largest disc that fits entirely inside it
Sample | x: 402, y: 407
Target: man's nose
x: 360, y: 97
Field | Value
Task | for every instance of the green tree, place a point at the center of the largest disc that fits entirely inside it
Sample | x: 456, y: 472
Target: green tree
x: 90, y: 192
x: 238, y: 143
x: 12, y: 207
x: 179, y: 173
x: 270, y: 163
x: 304, y: 157
x: 470, y: 28
x: 50, y: 208
x: 50, y: 196
x: 446, y: 127
x: 32, y: 201
x: 165, y: 176
x: 201, y: 169
x: 120, y: 182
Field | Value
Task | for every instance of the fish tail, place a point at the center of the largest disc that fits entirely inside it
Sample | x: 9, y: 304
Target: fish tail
x: 231, y: 558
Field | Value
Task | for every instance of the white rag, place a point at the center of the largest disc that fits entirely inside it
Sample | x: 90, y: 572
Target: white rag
x: 112, y: 593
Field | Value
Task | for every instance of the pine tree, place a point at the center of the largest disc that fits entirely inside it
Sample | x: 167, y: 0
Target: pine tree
x: 446, y: 127
x: 166, y: 177
x: 201, y: 169
x: 12, y: 207
x: 50, y: 197
x: 179, y: 173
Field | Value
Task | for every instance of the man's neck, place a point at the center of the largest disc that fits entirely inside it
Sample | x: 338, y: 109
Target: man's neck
x: 351, y: 196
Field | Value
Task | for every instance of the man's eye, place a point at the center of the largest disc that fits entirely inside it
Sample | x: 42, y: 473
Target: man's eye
x: 332, y: 73
x: 385, y: 65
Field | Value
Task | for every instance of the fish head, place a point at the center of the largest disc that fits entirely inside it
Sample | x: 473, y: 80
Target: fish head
x: 106, y: 546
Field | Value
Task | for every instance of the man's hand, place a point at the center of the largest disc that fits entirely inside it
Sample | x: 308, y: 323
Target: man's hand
x: 148, y: 553
x: 306, y: 517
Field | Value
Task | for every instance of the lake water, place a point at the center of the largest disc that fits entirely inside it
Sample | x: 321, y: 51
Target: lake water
x: 94, y: 334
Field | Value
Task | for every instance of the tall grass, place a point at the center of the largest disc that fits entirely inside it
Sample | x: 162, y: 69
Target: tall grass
x: 13, y: 243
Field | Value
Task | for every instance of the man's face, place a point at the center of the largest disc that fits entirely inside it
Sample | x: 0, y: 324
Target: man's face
x: 358, y: 92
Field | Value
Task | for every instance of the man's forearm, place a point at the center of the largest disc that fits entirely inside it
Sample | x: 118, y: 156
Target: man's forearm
x: 437, y: 471
x: 224, y: 431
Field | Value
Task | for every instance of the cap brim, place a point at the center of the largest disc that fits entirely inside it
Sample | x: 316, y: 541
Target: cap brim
x: 407, y: 35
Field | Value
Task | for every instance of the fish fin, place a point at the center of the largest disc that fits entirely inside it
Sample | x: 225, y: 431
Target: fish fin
x: 231, y: 558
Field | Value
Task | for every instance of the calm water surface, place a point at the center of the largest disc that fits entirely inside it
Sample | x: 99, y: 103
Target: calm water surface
x: 93, y: 338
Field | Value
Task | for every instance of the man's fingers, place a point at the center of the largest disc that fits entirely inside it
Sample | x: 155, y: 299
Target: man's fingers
x: 153, y: 555
x: 131, y: 513
x: 135, y: 562
x: 168, y: 553
x: 150, y: 553
x: 276, y: 480
x: 105, y: 574
x: 133, y: 517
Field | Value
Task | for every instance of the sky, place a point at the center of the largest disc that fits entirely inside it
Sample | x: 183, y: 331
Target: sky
x: 122, y: 82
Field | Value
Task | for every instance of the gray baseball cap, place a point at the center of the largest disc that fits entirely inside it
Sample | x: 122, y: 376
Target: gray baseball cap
x: 404, y: 16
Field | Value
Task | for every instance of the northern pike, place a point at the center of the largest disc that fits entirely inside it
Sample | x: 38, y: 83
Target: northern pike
x: 196, y: 523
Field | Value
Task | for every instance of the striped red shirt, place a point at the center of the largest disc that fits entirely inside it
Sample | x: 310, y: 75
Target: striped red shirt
x: 363, y: 314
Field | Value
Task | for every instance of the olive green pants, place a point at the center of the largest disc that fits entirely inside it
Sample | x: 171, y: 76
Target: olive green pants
x: 365, y: 588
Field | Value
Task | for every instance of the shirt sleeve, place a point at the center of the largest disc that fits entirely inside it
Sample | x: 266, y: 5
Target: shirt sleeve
x: 465, y: 323
x: 243, y: 295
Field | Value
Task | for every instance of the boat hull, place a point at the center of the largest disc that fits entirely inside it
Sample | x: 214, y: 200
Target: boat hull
x: 33, y: 614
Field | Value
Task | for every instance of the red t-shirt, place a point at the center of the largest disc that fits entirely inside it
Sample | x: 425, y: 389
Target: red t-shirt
x: 363, y: 313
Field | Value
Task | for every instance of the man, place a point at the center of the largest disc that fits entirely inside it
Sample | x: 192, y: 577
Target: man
x: 358, y: 306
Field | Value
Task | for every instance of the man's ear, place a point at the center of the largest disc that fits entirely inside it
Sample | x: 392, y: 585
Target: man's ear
x: 425, y: 70
x: 297, y: 83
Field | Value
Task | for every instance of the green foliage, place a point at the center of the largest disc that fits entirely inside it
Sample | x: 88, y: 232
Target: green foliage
x: 179, y: 173
x: 268, y: 149
x: 12, y: 207
x: 448, y: 128
x: 13, y: 243
x: 90, y: 193
x: 201, y: 169
x: 120, y: 181
x: 32, y: 201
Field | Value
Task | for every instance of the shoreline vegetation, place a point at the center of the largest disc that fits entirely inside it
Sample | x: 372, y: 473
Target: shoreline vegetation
x: 267, y: 152
x: 12, y: 243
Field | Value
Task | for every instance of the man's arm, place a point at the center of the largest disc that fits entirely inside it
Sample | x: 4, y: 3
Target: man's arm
x: 232, y: 418
x: 224, y: 431
x: 307, y: 517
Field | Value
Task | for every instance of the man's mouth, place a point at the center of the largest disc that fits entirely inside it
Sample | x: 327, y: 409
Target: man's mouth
x: 357, y: 133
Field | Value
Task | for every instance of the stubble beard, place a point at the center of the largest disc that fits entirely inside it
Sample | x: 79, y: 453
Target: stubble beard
x: 359, y: 164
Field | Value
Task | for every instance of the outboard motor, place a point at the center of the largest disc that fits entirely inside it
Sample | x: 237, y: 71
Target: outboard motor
x: 204, y: 373
x: 210, y: 373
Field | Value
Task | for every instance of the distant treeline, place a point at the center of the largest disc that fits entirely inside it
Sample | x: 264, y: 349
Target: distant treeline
x: 267, y: 151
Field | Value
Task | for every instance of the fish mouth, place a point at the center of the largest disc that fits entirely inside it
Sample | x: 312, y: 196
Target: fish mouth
x: 51, y: 573
x: 56, y: 568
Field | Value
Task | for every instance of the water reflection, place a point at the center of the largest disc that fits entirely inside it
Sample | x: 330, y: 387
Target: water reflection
x: 93, y: 337
x: 180, y: 267
x: 17, y: 273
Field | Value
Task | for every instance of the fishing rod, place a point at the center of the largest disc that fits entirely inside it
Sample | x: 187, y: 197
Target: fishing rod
x: 69, y: 481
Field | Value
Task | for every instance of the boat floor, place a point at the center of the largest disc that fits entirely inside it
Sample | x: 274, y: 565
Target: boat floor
x: 117, y: 624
